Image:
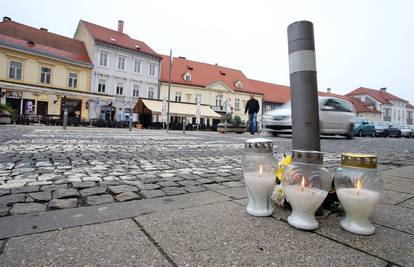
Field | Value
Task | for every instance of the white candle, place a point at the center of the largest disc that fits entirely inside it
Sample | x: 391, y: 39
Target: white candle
x: 305, y: 198
x: 259, y: 187
x: 358, y: 201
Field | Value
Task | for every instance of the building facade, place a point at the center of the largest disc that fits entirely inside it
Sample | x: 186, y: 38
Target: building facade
x: 41, y: 73
x: 214, y: 85
x: 124, y: 68
x: 392, y: 108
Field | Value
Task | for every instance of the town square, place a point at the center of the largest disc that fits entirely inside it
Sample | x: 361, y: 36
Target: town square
x: 128, y: 137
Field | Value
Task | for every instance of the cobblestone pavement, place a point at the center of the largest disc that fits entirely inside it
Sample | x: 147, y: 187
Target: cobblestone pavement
x: 43, y: 168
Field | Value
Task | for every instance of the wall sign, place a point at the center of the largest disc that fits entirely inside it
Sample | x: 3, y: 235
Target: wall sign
x: 13, y: 94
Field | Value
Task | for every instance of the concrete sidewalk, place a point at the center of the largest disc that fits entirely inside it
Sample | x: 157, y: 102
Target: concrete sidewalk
x: 208, y: 229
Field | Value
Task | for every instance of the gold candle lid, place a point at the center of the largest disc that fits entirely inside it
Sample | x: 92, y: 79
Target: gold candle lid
x: 359, y: 160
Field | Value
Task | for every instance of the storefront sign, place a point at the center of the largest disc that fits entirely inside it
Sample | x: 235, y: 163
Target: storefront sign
x: 13, y: 94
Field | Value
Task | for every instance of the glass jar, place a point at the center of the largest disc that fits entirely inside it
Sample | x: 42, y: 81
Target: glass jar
x: 258, y: 164
x: 358, y: 187
x: 306, y: 183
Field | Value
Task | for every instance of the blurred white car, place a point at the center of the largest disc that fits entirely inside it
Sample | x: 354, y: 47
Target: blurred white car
x: 336, y: 117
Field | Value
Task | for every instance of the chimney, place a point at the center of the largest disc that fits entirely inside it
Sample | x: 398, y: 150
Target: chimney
x: 328, y: 90
x: 43, y: 29
x: 120, y: 26
x: 6, y: 19
x: 383, y: 89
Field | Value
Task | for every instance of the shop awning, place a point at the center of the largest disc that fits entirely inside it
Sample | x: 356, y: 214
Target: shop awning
x: 153, y: 106
x: 49, y: 90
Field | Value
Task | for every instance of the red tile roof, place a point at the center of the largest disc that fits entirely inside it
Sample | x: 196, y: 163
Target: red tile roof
x: 358, y: 104
x: 123, y: 40
x: 274, y: 93
x: 381, y: 96
x: 20, y: 36
x: 203, y: 74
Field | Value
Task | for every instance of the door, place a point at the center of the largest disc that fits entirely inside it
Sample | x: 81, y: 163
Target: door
x: 73, y: 107
x: 42, y: 107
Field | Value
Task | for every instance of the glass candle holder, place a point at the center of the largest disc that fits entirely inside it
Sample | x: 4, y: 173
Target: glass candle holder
x: 306, y: 183
x: 258, y: 165
x: 358, y: 187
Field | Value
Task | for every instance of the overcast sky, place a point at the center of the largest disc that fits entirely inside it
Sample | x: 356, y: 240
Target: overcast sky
x: 358, y: 43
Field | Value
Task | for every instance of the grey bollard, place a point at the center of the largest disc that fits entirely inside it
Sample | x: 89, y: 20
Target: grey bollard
x: 304, y: 87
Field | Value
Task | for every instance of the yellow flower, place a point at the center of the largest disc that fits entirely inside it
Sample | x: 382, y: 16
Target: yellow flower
x: 286, y: 160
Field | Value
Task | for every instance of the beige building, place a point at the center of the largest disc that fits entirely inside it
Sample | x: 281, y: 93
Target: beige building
x: 41, y: 73
x: 213, y: 84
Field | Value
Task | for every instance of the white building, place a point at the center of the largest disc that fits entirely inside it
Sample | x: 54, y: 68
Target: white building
x: 393, y: 109
x: 123, y: 67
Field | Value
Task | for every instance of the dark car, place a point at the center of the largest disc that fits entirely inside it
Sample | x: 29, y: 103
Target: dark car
x: 364, y: 127
x: 386, y: 129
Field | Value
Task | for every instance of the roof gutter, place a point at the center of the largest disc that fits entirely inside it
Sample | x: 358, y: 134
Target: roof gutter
x: 43, y: 54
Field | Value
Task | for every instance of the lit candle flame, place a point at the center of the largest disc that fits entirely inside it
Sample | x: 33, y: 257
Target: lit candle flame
x: 358, y: 185
x: 303, y: 182
x: 260, y: 170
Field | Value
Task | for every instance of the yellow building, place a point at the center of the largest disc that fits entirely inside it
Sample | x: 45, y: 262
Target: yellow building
x: 213, y: 84
x: 41, y: 73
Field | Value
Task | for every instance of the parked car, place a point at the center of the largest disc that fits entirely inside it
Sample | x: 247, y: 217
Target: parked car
x: 406, y: 131
x: 364, y: 127
x: 386, y: 129
x: 336, y: 117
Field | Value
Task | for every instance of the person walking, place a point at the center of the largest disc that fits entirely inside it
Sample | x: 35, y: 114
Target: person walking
x: 252, y: 107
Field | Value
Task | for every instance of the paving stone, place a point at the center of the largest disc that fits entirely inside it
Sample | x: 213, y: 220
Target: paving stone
x: 402, y: 185
x: 395, y: 217
x: 188, y: 182
x: 115, y: 243
x: 150, y: 186
x: 232, y: 184
x: 167, y: 184
x: 99, y: 199
x: 408, y: 203
x: 49, y: 177
x: 127, y: 196
x: 4, y: 192
x: 91, y: 179
x: 151, y: 193
x: 10, y: 199
x: 393, y: 198
x: 63, y: 203
x: 205, y: 181
x: 65, y: 193
x: 92, y: 191
x: 53, y: 187
x: 214, y: 186
x: 122, y: 188
x: 80, y: 185
x: 194, y: 188
x: 25, y: 189
x: 138, y: 184
x: 405, y: 172
x: 24, y: 208
x: 41, y: 196
x: 4, y: 210
x: 224, y: 235
x: 170, y: 191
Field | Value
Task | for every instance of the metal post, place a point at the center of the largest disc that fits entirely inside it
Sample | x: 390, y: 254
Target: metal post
x: 184, y: 120
x: 304, y: 87
x: 225, y: 123
x: 130, y: 124
x: 65, y: 118
x: 169, y: 91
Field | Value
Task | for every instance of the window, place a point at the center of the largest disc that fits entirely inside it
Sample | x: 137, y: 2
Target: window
x: 197, y: 96
x: 150, y: 92
x: 152, y: 70
x: 103, y: 59
x: 237, y: 104
x: 73, y: 80
x: 121, y: 63
x: 45, y: 74
x: 399, y: 115
x: 218, y: 100
x: 178, y: 96
x: 337, y: 105
x: 101, y: 86
x: 119, y: 88
x: 239, y: 84
x: 187, y: 77
x: 15, y: 70
x: 135, y: 90
x: 268, y: 108
x: 137, y: 66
